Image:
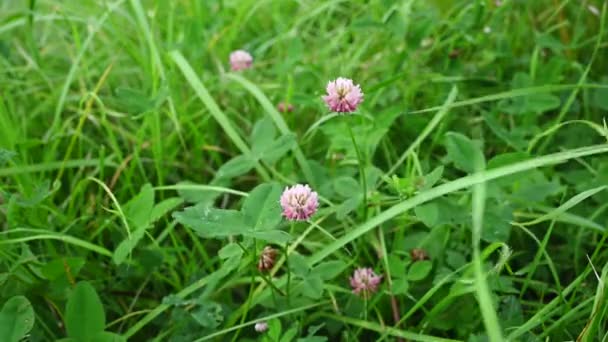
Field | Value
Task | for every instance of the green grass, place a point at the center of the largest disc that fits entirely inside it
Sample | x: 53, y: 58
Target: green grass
x: 140, y: 177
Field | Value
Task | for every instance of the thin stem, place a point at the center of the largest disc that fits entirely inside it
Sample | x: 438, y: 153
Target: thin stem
x: 365, y: 294
x: 288, y: 272
x: 361, y: 171
x: 270, y: 283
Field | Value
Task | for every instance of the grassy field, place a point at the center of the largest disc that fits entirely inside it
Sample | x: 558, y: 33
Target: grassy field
x: 140, y: 176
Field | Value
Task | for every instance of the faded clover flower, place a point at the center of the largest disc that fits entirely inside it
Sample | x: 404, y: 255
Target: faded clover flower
x: 364, y: 281
x: 240, y: 60
x: 285, y: 107
x: 299, y: 202
x: 266, y: 261
x: 343, y: 96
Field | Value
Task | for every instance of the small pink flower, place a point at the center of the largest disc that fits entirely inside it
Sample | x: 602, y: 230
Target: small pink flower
x: 261, y: 327
x: 240, y: 60
x: 299, y: 202
x: 343, y: 96
x: 364, y: 281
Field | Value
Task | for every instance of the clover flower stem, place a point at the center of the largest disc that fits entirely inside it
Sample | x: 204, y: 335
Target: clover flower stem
x: 288, y: 286
x: 365, y: 295
x: 361, y: 171
x: 249, y: 295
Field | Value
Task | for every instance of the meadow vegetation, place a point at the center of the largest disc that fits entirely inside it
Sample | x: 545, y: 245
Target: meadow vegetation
x: 155, y: 185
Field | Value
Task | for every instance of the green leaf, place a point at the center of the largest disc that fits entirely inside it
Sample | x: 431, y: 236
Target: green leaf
x: 261, y: 208
x: 139, y: 209
x: 274, y: 330
x: 432, y: 178
x: 428, y: 214
x: 127, y: 245
x: 57, y: 268
x: 419, y: 270
x: 290, y: 334
x: 106, y: 336
x: 200, y: 196
x: 230, y: 250
x: 534, y: 103
x: 463, y: 152
x: 262, y: 136
x: 211, y: 222
x: 312, y: 287
x: 346, y: 187
x: 348, y: 206
x: 16, y: 319
x: 400, y: 286
x: 162, y: 208
x: 132, y: 100
x: 329, y: 269
x: 497, y: 223
x: 208, y: 315
x: 273, y: 236
x: 279, y: 148
x: 84, y: 315
x: 298, y: 264
x: 236, y: 166
x: 599, y: 97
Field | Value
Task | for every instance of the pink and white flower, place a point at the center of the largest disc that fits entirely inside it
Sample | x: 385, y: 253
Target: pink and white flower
x: 240, y: 60
x: 343, y: 96
x: 364, y: 281
x: 299, y: 202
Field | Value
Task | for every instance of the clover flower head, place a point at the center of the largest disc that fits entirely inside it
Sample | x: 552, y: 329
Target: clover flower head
x: 240, y: 60
x: 364, y: 281
x: 299, y: 202
x: 343, y: 96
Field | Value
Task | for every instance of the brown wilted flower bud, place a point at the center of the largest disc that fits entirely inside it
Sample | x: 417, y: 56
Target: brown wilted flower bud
x: 285, y: 107
x: 267, y: 257
x: 454, y: 53
x: 419, y: 254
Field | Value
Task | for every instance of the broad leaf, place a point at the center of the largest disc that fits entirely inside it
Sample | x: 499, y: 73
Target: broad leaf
x: 261, y: 208
x: 273, y: 236
x: 162, y: 208
x: 312, y: 287
x: 84, y: 315
x: 419, y: 270
x: 262, y: 136
x: 139, y: 209
x: 230, y: 250
x: 212, y: 223
x: 279, y: 148
x: 329, y: 269
x: 235, y: 167
x: 16, y: 319
x: 463, y: 152
x: 347, y: 186
x: 106, y: 336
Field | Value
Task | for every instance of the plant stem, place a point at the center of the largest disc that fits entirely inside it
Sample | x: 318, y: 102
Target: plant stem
x: 365, y: 294
x: 288, y: 286
x: 361, y: 171
x: 273, y: 286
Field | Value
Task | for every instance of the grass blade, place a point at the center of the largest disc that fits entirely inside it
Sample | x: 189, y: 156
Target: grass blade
x: 213, y: 108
